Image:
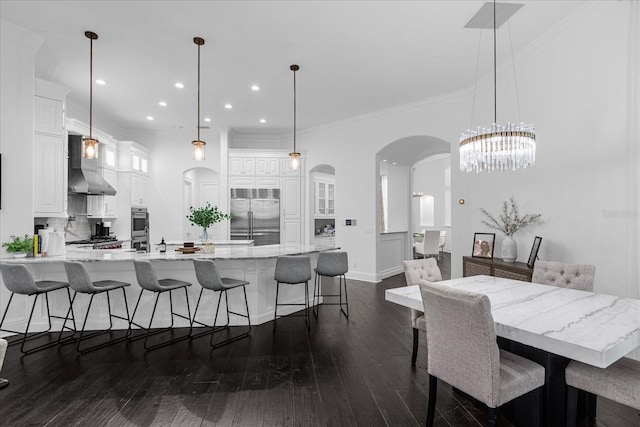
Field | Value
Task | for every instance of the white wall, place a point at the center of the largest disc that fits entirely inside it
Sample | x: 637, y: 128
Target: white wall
x: 428, y: 178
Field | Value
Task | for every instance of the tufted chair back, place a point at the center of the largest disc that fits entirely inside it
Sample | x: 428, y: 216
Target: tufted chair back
x: 414, y: 271
x: 573, y: 276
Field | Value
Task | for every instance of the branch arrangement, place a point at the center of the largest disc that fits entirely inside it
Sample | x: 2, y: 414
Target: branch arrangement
x: 510, y: 221
x: 206, y: 216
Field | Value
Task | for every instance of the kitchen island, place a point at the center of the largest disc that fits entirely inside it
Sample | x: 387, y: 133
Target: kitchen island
x: 255, y: 264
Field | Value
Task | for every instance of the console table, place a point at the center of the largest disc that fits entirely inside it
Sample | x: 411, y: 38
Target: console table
x: 472, y: 266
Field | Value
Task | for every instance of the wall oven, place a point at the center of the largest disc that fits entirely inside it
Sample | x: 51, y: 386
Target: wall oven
x: 140, y: 229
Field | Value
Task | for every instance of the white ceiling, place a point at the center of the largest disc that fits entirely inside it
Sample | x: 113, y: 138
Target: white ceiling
x: 355, y: 57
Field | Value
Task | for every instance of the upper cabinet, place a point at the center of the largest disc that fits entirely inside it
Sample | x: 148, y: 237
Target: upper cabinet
x: 324, y: 189
x: 50, y: 155
x: 242, y: 166
x: 267, y: 166
x: 133, y: 166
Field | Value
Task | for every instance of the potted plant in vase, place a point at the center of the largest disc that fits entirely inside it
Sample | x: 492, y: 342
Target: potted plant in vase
x: 205, y: 217
x: 509, y: 222
x: 19, y: 247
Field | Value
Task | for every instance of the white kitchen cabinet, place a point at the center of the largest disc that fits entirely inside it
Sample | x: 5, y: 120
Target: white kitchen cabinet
x: 104, y: 206
x: 242, y: 182
x: 49, y: 176
x: 290, y: 198
x: 242, y: 166
x: 139, y: 189
x: 267, y: 166
x: 324, y: 197
x: 291, y: 232
x: 50, y: 151
x: 267, y: 182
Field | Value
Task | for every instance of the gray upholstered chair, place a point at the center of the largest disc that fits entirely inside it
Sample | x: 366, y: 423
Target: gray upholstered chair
x: 148, y: 281
x: 414, y: 271
x: 463, y: 352
x: 573, y: 276
x: 430, y: 245
x: 80, y: 282
x: 18, y: 280
x: 331, y: 264
x: 3, y: 352
x: 209, y: 278
x: 293, y: 270
x: 619, y: 382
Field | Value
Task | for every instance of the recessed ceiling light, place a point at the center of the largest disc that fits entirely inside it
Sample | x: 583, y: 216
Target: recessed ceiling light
x: 384, y: 160
x: 207, y: 119
x: 162, y: 104
x: 255, y: 88
x: 263, y: 120
x: 179, y: 85
x: 101, y: 82
x: 228, y: 106
x: 149, y: 117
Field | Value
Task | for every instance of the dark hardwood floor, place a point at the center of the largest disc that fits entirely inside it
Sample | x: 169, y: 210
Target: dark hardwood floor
x: 346, y: 372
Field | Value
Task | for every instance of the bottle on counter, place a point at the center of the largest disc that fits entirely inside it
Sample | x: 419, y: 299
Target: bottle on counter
x: 163, y: 246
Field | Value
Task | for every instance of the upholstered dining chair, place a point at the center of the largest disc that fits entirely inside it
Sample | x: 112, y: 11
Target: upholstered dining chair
x: 463, y: 352
x: 619, y: 382
x: 293, y: 270
x: 564, y: 275
x: 81, y: 283
x: 209, y: 278
x: 148, y: 281
x: 441, y: 243
x: 430, y: 245
x: 18, y: 280
x: 414, y: 271
x: 3, y: 352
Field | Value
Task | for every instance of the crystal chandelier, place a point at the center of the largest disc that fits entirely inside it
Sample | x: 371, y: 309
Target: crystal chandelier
x: 498, y: 147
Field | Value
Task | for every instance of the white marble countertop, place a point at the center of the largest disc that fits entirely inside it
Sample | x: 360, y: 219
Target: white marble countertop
x: 217, y: 243
x: 596, y: 329
x: 221, y: 253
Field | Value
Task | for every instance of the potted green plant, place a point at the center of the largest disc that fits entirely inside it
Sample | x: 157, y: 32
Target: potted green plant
x: 205, y: 217
x: 19, y: 247
x: 509, y: 222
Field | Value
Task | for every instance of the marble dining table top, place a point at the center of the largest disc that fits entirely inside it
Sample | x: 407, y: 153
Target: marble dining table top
x: 593, y: 328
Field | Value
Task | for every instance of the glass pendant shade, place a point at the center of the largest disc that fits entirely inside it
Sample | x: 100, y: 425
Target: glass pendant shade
x: 295, y: 160
x: 498, y: 148
x: 198, y: 150
x: 89, y: 148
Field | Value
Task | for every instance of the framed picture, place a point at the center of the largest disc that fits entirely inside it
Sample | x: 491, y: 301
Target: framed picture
x: 483, y: 245
x: 534, y: 251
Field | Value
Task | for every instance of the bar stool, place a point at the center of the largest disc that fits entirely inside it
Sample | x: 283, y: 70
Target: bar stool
x: 209, y: 278
x: 80, y: 282
x: 18, y: 280
x: 148, y: 280
x: 331, y: 264
x: 293, y: 270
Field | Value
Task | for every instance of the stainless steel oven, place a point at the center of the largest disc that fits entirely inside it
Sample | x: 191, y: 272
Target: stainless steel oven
x: 140, y: 229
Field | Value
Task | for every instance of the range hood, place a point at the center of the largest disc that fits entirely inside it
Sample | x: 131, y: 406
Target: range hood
x: 83, y: 173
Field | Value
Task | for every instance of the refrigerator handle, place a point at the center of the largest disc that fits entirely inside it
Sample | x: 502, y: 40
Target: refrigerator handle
x: 250, y: 230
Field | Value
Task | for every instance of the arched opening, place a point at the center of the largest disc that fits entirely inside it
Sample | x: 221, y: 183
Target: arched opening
x: 401, y: 176
x: 200, y: 185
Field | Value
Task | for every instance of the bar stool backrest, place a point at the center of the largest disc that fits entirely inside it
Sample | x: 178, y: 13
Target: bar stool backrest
x: 78, y: 276
x: 293, y: 269
x: 146, y: 275
x: 208, y: 275
x: 332, y: 264
x: 17, y: 279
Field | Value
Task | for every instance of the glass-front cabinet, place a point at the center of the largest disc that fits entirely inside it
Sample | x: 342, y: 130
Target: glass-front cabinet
x: 325, y: 198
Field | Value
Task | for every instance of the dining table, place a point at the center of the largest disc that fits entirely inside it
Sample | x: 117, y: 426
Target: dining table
x: 551, y: 325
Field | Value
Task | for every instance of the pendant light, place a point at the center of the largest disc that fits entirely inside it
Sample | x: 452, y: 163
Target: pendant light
x: 90, y: 144
x: 295, y: 156
x: 498, y: 147
x: 198, y: 144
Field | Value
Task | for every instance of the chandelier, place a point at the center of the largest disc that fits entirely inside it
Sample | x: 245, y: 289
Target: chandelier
x: 498, y: 147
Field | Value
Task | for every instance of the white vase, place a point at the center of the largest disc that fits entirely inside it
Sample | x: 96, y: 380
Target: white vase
x: 19, y: 254
x: 509, y: 249
x: 204, y: 236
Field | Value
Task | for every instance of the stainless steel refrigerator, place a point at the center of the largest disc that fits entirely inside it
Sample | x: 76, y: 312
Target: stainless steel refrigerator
x: 255, y: 215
